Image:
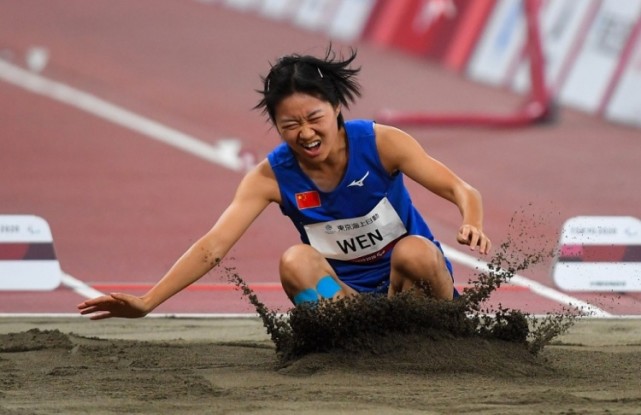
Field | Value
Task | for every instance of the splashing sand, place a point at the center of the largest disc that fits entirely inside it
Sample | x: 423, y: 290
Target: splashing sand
x: 377, y: 325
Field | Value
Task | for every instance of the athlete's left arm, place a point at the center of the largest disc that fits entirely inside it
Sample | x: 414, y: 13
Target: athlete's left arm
x: 401, y: 152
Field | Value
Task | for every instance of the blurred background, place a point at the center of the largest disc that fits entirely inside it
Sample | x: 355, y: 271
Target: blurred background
x: 125, y: 127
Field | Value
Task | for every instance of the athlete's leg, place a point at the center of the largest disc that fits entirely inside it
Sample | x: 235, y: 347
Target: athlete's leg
x: 307, y: 276
x: 418, y: 263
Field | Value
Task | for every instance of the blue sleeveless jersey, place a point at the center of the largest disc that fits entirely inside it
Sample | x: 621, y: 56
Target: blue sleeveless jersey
x: 352, y: 217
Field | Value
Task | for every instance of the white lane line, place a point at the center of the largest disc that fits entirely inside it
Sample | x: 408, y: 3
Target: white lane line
x: 215, y: 154
x: 80, y: 287
x: 222, y: 153
x: 519, y: 280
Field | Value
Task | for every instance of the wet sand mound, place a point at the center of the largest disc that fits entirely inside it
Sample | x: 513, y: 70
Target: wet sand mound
x: 418, y: 354
x: 34, y: 339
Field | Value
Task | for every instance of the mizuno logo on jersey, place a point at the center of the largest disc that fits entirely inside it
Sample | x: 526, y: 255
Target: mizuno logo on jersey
x: 360, y: 182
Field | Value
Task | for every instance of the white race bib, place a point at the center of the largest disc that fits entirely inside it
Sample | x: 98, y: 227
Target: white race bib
x: 357, y: 238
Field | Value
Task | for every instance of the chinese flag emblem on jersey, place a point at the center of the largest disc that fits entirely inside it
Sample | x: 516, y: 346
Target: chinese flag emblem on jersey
x: 308, y: 200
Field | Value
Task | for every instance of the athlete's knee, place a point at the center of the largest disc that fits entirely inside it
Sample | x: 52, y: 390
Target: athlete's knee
x: 414, y: 253
x: 418, y: 263
x: 297, y: 258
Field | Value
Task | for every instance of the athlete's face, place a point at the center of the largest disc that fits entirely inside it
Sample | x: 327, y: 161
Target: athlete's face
x: 308, y: 125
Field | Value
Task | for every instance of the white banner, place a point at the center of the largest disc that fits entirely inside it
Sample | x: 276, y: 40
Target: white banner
x: 344, y: 20
x: 562, y: 24
x: 350, y: 19
x: 594, y: 67
x: 625, y: 104
x: 501, y: 44
x: 315, y: 15
x: 279, y: 9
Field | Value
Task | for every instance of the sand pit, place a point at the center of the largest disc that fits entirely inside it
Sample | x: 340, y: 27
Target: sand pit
x: 196, y: 366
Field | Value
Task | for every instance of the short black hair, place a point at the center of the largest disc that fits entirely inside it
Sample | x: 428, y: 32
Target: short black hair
x: 330, y: 79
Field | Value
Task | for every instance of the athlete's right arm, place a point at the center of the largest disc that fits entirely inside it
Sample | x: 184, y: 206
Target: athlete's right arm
x: 257, y: 189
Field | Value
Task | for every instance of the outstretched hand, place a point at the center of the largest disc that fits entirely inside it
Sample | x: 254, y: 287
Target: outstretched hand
x: 113, y: 305
x: 472, y: 236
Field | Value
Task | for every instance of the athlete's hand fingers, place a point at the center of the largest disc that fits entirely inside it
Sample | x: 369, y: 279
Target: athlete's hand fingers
x: 89, y: 310
x: 485, y: 245
x: 472, y: 236
x: 101, y: 316
x: 113, y: 305
x: 474, y: 239
x: 94, y: 303
x: 466, y: 236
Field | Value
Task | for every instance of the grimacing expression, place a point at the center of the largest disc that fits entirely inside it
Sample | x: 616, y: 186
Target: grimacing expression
x: 308, y: 125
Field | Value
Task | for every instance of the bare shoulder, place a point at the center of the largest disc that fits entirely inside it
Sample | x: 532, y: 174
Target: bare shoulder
x: 389, y: 138
x: 395, y: 146
x: 384, y: 132
x: 261, y: 181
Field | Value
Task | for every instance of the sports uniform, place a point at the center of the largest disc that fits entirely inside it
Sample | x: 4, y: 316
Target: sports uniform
x: 356, y: 225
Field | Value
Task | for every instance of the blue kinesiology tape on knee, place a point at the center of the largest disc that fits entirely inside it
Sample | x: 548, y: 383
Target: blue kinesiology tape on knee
x: 327, y: 287
x: 306, y: 296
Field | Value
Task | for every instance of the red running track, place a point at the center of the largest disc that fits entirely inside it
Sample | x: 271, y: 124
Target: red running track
x: 123, y: 207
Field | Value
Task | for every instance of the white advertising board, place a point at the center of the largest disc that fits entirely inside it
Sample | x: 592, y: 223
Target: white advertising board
x: 599, y: 253
x: 27, y: 257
